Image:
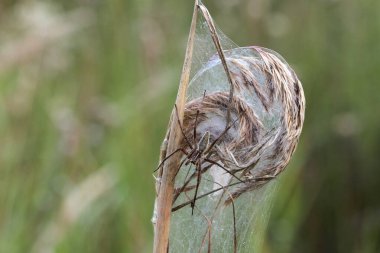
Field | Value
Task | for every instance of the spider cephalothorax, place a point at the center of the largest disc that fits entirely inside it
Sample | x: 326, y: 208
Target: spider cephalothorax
x: 199, y: 149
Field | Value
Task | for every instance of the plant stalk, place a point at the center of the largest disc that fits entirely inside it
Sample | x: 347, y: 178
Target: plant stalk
x: 166, y: 183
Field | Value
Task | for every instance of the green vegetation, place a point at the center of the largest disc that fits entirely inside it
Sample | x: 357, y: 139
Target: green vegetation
x: 86, y: 89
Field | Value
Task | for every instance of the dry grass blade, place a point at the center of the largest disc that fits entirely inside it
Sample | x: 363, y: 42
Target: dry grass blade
x: 166, y: 183
x: 219, y: 49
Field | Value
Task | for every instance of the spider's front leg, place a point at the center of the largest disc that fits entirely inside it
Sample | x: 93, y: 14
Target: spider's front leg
x: 173, y: 153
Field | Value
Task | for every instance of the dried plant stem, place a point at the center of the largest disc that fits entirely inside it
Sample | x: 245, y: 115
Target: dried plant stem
x: 219, y: 49
x: 166, y: 187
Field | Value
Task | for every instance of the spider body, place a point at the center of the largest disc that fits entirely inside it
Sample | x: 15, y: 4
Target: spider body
x: 200, y: 149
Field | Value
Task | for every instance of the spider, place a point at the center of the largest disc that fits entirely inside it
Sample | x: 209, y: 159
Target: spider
x: 197, y: 154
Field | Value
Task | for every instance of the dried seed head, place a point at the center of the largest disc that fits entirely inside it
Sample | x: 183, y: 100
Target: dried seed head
x: 268, y: 106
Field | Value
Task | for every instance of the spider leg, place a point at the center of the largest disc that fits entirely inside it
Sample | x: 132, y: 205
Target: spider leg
x: 184, y: 186
x: 196, y: 120
x: 220, y: 136
x: 234, y: 220
x: 176, y: 208
x: 166, y: 158
x: 221, y: 166
x: 180, y: 126
x: 188, y: 188
x: 195, y: 126
x: 196, y: 188
x: 179, y: 167
x: 189, y: 156
x: 233, y: 212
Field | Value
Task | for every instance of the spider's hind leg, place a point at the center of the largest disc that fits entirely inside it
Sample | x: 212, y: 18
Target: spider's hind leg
x: 199, y: 172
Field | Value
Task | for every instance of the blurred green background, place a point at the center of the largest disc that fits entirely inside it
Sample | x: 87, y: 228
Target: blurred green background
x: 86, y: 89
